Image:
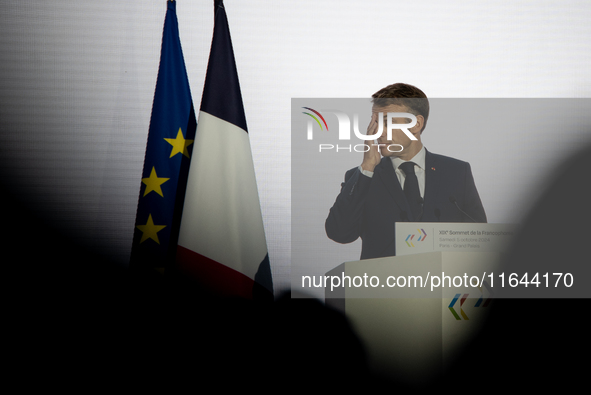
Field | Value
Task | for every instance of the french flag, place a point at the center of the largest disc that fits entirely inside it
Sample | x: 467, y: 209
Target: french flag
x: 221, y: 240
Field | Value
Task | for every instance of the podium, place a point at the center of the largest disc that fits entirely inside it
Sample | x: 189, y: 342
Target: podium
x: 415, y: 312
x: 412, y: 333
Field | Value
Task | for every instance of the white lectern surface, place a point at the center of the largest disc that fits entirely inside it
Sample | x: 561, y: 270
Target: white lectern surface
x: 411, y: 332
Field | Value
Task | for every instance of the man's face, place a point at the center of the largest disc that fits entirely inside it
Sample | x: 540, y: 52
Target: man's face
x: 398, y: 136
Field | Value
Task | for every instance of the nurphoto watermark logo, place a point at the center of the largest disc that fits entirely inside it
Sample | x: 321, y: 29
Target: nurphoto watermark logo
x: 392, y: 122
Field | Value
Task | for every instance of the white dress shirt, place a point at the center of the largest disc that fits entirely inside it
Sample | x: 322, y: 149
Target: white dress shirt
x: 418, y: 159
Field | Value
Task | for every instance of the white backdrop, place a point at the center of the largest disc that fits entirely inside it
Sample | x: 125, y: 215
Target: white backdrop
x: 77, y: 81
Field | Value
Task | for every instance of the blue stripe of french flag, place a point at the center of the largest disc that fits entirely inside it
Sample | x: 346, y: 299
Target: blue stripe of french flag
x: 222, y: 240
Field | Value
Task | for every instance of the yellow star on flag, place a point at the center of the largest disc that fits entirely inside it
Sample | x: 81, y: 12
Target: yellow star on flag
x: 150, y: 231
x: 179, y: 144
x: 154, y: 182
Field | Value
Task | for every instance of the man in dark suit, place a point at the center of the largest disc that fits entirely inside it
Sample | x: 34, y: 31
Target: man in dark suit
x: 408, y: 184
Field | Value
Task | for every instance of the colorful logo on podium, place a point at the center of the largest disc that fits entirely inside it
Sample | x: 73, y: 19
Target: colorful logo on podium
x: 421, y: 237
x: 452, y: 306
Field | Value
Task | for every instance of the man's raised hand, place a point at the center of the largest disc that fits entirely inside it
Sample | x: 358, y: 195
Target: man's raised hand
x: 372, y: 157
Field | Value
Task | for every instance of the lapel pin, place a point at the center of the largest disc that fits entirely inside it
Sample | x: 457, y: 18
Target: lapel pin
x: 433, y: 168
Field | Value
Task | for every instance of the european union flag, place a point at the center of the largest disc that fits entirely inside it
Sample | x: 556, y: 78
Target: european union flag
x: 168, y: 154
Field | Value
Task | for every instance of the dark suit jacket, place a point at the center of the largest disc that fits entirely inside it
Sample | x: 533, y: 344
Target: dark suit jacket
x: 368, y: 207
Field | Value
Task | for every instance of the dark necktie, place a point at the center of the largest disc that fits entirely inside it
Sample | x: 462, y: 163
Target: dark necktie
x: 411, y: 190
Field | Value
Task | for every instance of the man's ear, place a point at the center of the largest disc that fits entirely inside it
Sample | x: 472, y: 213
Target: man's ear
x: 417, y: 130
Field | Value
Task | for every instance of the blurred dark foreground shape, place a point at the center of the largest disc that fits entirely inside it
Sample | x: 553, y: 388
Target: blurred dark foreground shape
x: 77, y: 320
x: 533, y: 344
